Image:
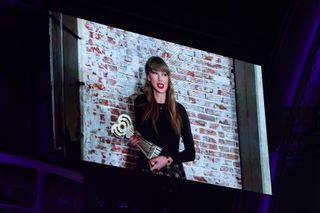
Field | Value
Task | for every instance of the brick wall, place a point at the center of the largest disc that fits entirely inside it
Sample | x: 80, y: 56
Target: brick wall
x: 112, y: 67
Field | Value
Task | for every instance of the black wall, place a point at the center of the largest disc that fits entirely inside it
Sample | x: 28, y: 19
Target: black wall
x: 293, y: 130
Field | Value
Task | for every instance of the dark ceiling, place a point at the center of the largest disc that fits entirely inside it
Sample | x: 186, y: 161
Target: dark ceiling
x: 239, y: 29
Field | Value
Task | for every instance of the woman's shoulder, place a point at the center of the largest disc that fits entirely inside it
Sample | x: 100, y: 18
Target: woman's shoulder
x: 180, y: 107
x: 182, y: 112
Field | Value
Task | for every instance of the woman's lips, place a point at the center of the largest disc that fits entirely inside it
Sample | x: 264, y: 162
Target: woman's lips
x: 160, y: 85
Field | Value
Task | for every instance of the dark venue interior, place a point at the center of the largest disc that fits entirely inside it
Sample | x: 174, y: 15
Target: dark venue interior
x: 281, y: 36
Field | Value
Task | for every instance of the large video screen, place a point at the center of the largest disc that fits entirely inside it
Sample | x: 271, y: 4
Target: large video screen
x: 111, y: 63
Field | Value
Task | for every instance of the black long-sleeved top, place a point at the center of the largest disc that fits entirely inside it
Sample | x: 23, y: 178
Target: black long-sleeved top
x: 166, y: 139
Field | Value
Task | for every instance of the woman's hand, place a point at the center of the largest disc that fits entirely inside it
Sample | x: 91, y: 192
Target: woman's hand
x: 135, y: 139
x: 158, y: 163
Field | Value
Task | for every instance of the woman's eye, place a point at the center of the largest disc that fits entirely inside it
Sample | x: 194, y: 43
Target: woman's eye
x: 165, y: 74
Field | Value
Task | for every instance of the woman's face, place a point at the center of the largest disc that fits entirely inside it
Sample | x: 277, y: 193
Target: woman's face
x: 159, y: 81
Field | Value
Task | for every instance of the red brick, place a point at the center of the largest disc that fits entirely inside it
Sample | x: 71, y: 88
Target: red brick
x: 178, y: 77
x: 236, y: 164
x: 89, y: 25
x: 206, y: 117
x: 213, y: 146
x: 224, y: 148
x: 98, y: 36
x: 221, y: 134
x: 207, y: 132
x: 209, y: 70
x: 209, y: 139
x: 111, y: 40
x: 200, y: 179
x: 224, y: 169
x: 192, y: 100
x: 198, y: 122
x: 220, y: 106
x: 114, y: 111
x: 166, y: 55
x: 104, y: 102
x: 190, y: 73
x: 111, y: 81
x: 102, y: 118
x: 214, y: 126
x: 230, y: 156
x: 208, y: 57
x: 235, y: 150
x: 196, y: 137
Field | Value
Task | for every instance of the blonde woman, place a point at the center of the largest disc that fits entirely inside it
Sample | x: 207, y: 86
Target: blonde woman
x: 162, y: 121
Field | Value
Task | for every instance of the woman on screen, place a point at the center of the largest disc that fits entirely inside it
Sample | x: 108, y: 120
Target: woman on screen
x: 162, y: 121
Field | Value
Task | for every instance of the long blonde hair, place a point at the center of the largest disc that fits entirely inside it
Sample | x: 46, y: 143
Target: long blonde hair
x: 151, y: 111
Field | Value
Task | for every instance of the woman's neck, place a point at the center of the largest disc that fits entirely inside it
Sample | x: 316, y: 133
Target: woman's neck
x: 160, y: 97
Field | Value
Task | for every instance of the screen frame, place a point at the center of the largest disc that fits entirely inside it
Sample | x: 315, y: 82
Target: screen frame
x: 255, y: 173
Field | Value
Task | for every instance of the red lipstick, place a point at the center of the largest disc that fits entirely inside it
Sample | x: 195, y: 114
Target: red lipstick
x: 160, y: 85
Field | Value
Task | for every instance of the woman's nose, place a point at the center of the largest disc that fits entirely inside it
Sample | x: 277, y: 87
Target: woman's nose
x: 160, y: 77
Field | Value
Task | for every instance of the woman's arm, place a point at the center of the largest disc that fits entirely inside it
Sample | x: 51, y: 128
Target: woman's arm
x: 188, y: 154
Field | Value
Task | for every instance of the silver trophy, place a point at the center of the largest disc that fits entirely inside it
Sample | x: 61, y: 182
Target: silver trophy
x: 123, y: 128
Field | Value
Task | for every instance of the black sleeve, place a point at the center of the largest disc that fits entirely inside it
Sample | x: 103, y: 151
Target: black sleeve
x: 188, y: 154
